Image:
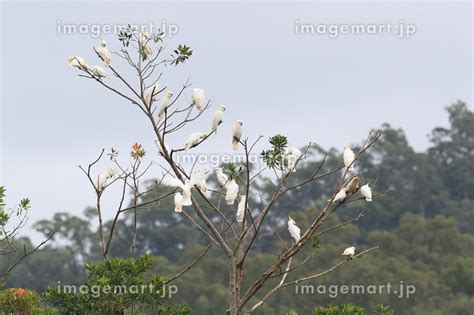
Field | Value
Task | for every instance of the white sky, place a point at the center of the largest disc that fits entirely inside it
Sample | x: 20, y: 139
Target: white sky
x: 247, y: 56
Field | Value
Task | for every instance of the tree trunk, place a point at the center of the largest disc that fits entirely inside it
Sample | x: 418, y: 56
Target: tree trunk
x: 235, y: 283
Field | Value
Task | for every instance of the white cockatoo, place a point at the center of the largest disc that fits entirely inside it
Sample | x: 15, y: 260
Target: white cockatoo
x: 145, y: 49
x: 165, y: 102
x: 103, y: 51
x: 160, y: 149
x: 150, y: 93
x: 236, y: 134
x: 241, y: 209
x: 104, y: 177
x: 98, y: 72
x: 198, y: 98
x: 292, y: 155
x: 232, y: 191
x: 366, y: 191
x: 78, y: 62
x: 217, y: 117
x: 187, y: 193
x: 340, y: 196
x: 295, y: 231
x: 349, y: 252
x: 186, y: 190
x: 198, y: 178
x: 222, y: 178
x: 202, y: 186
x: 194, y: 139
x: 178, y: 202
x: 349, y: 157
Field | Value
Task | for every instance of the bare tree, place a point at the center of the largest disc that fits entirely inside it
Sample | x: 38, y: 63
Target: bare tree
x: 234, y: 239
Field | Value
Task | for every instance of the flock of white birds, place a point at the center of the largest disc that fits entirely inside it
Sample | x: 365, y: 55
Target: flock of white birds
x: 198, y: 180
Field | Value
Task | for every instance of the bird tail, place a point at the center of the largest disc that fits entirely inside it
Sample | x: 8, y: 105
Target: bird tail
x: 235, y: 144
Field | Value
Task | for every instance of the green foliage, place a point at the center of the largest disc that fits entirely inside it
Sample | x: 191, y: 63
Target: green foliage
x: 4, y: 217
x: 453, y: 151
x: 315, y: 244
x: 21, y: 301
x: 343, y: 309
x: 116, y: 286
x: 233, y: 171
x: 274, y: 157
x: 9, y: 228
x: 180, y: 54
x: 126, y: 36
x: 460, y: 277
x: 349, y: 309
x: 3, y: 191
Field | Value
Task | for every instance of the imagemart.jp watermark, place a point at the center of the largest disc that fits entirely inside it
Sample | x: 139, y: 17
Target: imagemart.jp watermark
x: 95, y: 30
x: 402, y: 30
x: 401, y: 290
x: 163, y: 291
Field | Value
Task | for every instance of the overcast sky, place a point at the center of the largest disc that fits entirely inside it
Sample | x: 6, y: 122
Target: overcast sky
x: 248, y: 56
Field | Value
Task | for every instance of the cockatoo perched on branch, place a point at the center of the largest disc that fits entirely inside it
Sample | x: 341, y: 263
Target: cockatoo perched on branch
x: 241, y: 209
x: 77, y: 62
x: 165, y: 102
x: 186, y: 190
x: 98, y: 72
x: 353, y: 185
x: 232, y: 192
x: 187, y: 193
x: 349, y: 252
x: 366, y: 191
x: 198, y: 98
x: 222, y: 178
x: 236, y: 134
x: 178, y: 202
x: 217, y: 117
x: 150, y: 93
x: 143, y: 45
x: 104, y: 177
x: 103, y: 51
x: 292, y: 155
x: 349, y: 157
x: 340, y: 196
x: 196, y: 179
x: 295, y: 231
x: 194, y: 139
